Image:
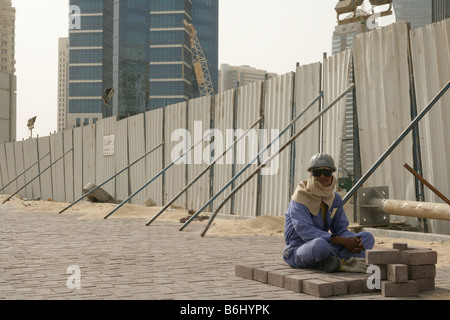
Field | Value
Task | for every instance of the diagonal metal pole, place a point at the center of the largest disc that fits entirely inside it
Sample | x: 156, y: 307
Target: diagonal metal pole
x: 292, y: 139
x: 38, y: 175
x: 425, y: 182
x: 151, y: 180
x: 24, y: 171
x: 396, y: 143
x: 251, y: 162
x: 109, y: 179
x: 201, y: 173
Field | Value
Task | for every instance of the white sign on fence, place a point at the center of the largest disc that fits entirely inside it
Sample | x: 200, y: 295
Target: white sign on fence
x: 108, y: 145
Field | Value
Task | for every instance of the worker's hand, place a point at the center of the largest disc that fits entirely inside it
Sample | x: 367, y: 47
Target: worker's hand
x: 354, y: 245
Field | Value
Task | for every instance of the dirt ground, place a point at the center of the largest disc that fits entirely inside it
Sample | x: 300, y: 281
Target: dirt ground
x: 264, y: 225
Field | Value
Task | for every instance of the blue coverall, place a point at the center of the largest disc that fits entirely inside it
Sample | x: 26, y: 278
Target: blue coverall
x: 308, y: 239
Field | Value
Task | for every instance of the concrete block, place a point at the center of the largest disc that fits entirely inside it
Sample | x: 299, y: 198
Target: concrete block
x: 261, y: 273
x: 383, y: 256
x: 318, y: 288
x: 242, y: 271
x: 295, y: 282
x: 400, y: 289
x: 383, y: 271
x: 419, y: 257
x: 276, y: 278
x: 421, y: 272
x: 397, y: 272
x: 400, y: 246
x: 418, y: 248
x: 360, y: 285
x: 355, y: 285
x: 340, y: 286
x: 426, y: 284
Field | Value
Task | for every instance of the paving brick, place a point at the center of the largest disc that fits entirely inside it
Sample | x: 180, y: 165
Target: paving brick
x: 340, y: 286
x: 419, y: 257
x: 261, y: 273
x: 426, y: 284
x: 421, y: 272
x: 397, y: 272
x: 245, y: 272
x: 355, y: 285
x: 276, y: 278
x: 383, y: 256
x: 400, y: 246
x: 318, y: 288
x: 418, y: 248
x: 400, y: 289
x: 383, y: 271
x: 294, y: 282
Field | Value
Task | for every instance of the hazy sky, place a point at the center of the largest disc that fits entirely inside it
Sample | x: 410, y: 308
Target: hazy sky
x: 265, y: 34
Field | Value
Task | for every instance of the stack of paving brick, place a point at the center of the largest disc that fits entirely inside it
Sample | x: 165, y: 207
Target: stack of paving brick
x: 405, y: 271
x: 308, y: 281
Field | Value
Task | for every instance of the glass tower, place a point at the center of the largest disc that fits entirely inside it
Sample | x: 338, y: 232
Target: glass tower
x: 205, y: 17
x: 421, y: 12
x: 170, y: 52
x: 130, y: 57
x: 141, y: 49
x: 86, y: 61
x: 172, y: 78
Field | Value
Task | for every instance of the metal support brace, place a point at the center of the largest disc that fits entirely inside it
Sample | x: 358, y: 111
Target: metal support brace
x: 153, y: 179
x: 202, y: 173
x: 109, y: 179
x: 24, y: 171
x: 369, y: 211
x: 38, y: 175
x: 251, y: 162
x: 292, y: 139
x: 396, y: 143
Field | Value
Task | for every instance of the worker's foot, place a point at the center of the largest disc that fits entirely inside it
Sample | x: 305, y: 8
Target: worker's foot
x: 330, y: 264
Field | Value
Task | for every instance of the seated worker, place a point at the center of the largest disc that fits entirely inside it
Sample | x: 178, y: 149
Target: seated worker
x: 314, y: 210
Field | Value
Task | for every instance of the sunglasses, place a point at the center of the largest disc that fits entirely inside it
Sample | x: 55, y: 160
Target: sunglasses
x: 318, y: 172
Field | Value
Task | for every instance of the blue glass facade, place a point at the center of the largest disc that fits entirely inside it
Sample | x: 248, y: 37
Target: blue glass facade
x: 421, y: 12
x: 131, y: 54
x: 170, y: 57
x: 141, y: 49
x: 205, y: 18
x: 86, y: 60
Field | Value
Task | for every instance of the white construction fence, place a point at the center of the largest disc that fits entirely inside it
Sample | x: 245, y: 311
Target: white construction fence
x: 384, y: 61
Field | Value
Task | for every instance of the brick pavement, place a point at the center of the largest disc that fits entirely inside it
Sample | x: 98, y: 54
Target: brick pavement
x: 124, y: 259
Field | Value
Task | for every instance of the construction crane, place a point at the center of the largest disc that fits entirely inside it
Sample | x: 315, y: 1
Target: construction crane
x: 199, y: 62
x: 351, y: 6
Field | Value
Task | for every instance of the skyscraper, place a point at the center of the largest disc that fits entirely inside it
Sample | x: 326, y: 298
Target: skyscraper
x: 7, y: 45
x: 140, y: 49
x: 342, y: 40
x: 7, y: 72
x: 421, y: 12
x: 90, y: 59
x: 171, y: 60
x: 172, y: 78
x: 205, y: 17
x: 230, y: 76
x: 63, y: 77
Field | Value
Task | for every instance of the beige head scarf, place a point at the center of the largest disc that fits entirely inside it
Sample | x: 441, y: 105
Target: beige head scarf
x: 311, y: 193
